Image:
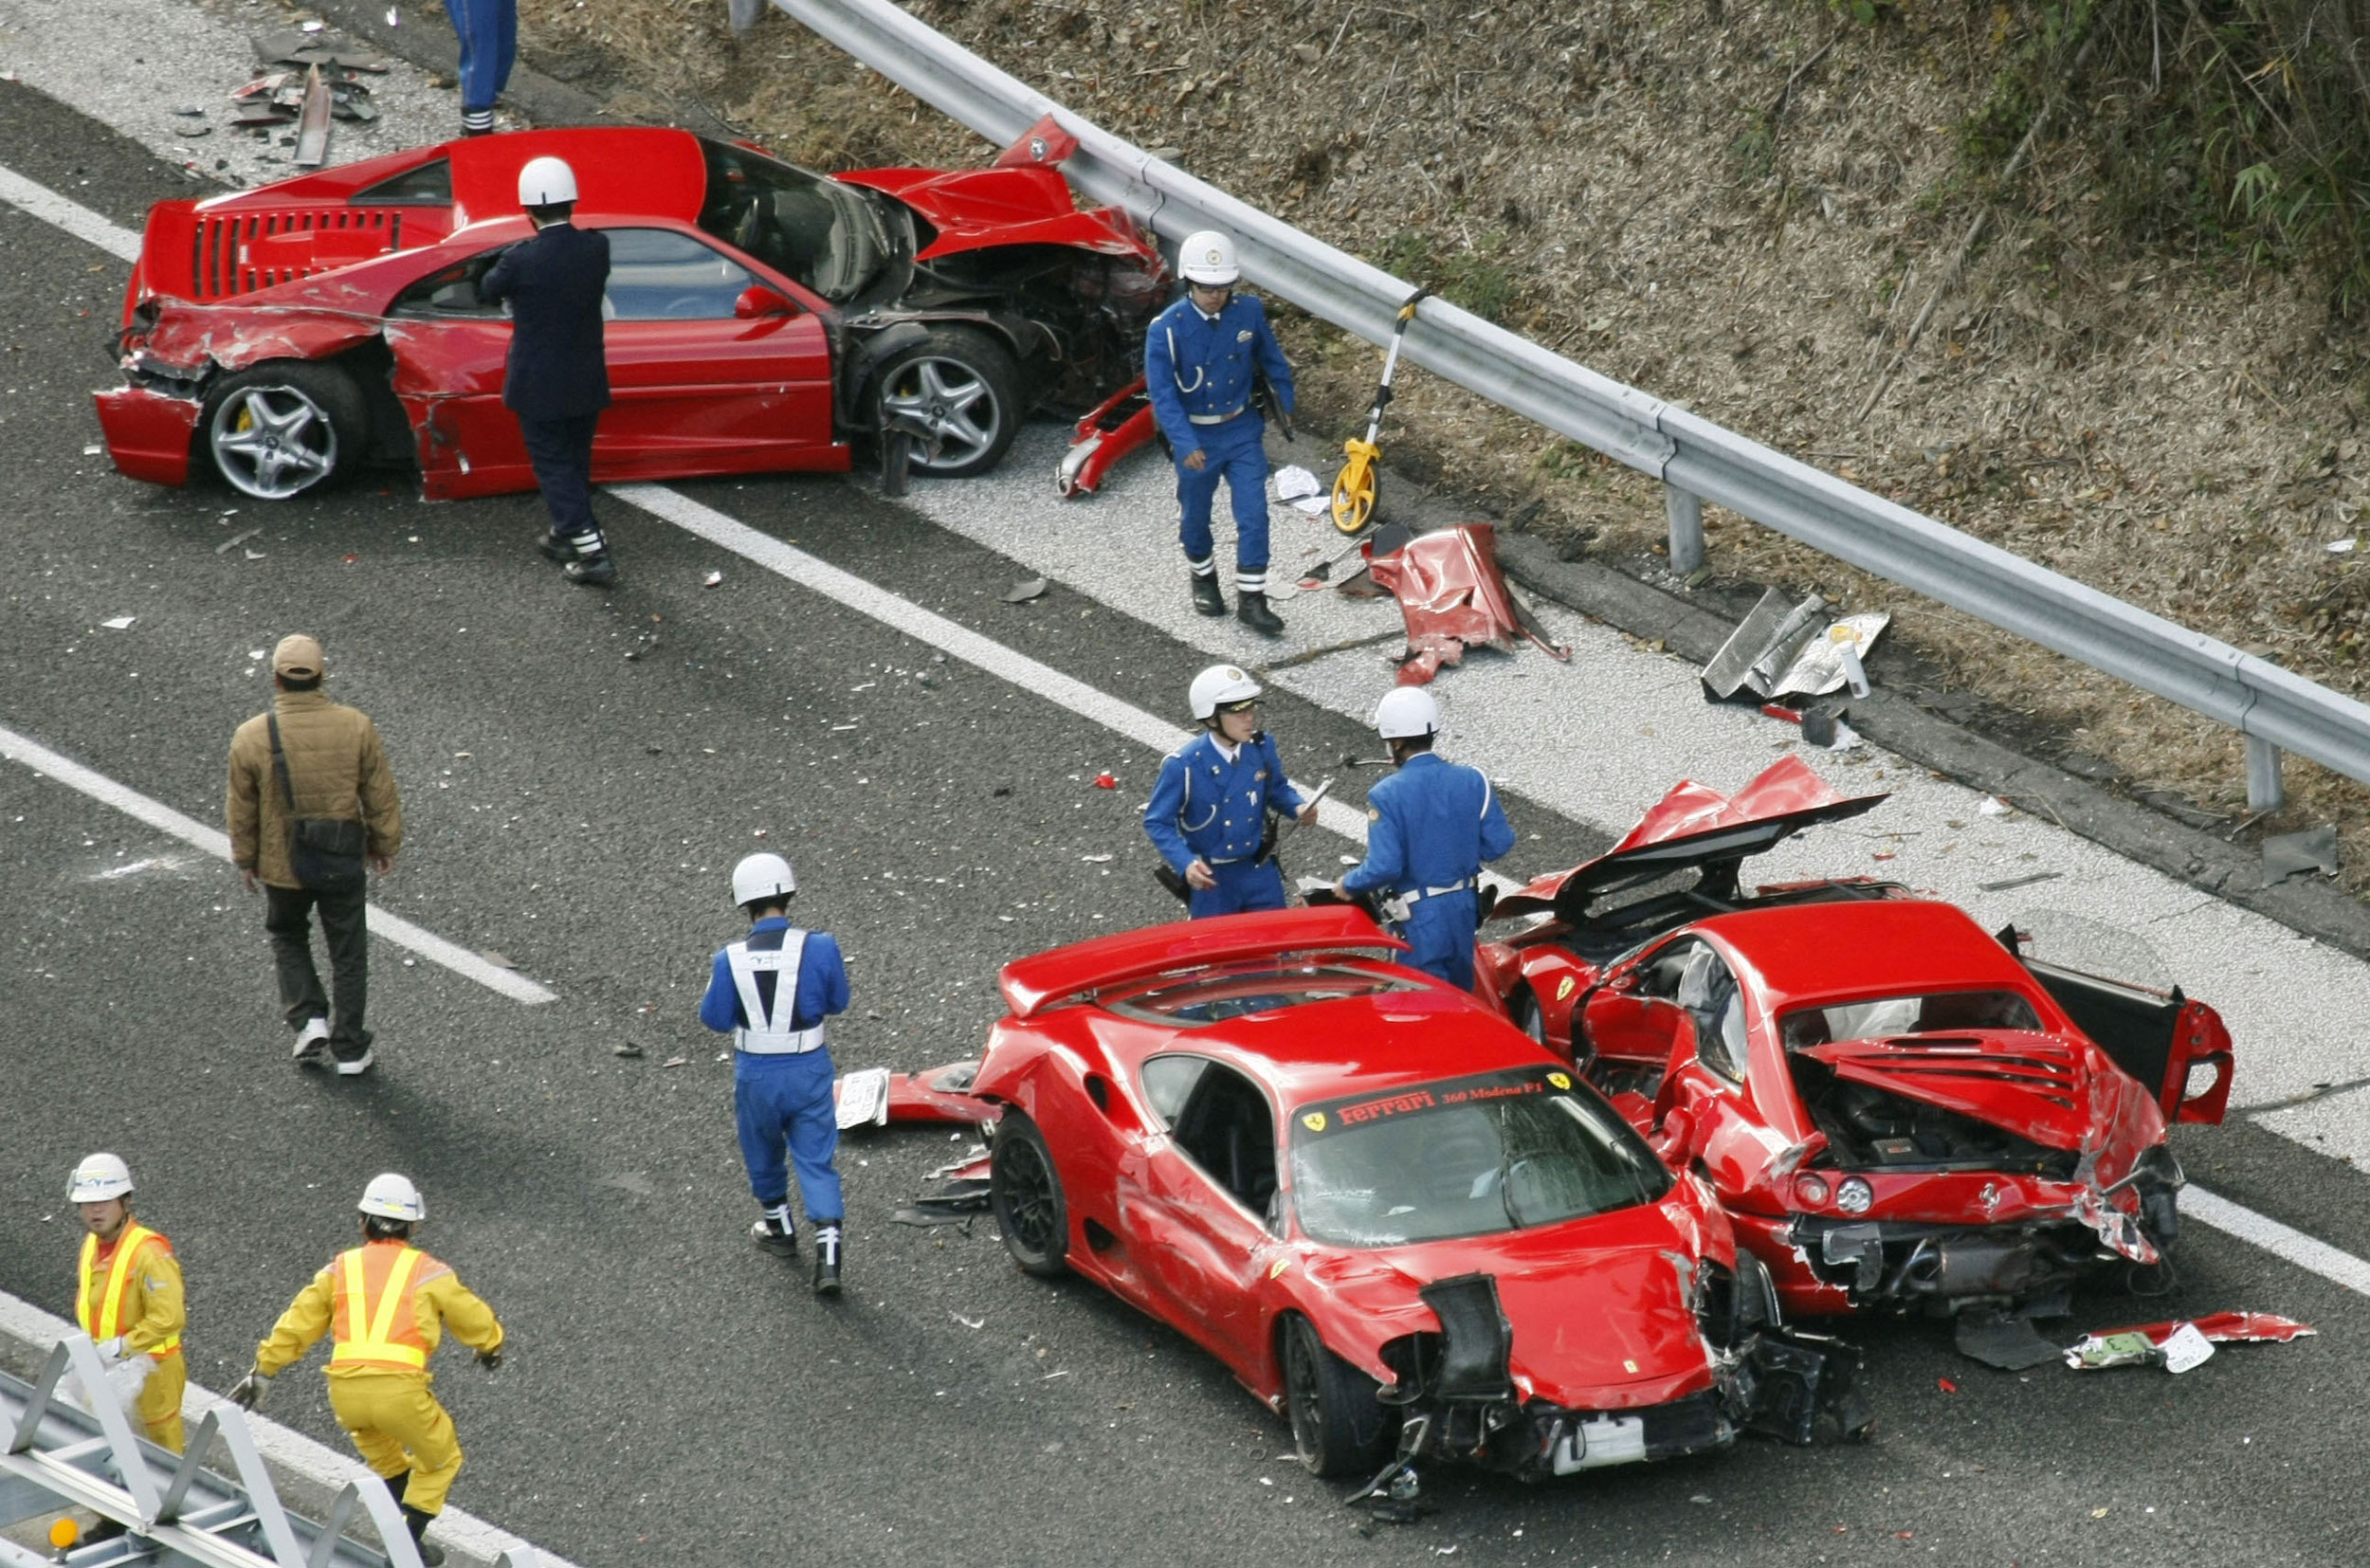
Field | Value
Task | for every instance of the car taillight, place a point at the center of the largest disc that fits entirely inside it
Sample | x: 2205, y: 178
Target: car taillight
x: 1810, y: 1190
x: 1854, y: 1195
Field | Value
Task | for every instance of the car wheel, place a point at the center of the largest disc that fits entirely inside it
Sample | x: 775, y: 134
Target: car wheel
x: 1528, y: 1016
x: 278, y: 431
x: 1024, y: 1190
x: 963, y: 389
x: 1339, y: 1427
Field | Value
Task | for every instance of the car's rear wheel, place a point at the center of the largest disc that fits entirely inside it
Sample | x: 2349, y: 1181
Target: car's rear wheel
x: 960, y: 388
x: 1338, y: 1427
x: 1528, y: 1016
x: 279, y: 429
x: 1025, y: 1192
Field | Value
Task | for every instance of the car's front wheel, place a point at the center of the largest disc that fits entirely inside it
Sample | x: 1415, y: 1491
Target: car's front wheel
x: 279, y: 429
x: 1338, y: 1427
x: 956, y: 395
x: 1025, y: 1192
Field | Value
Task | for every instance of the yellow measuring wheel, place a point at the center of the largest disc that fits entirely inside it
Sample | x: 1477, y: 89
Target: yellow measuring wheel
x: 1359, y: 485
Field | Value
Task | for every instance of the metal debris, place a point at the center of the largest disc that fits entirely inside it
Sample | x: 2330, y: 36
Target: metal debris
x: 1779, y: 651
x: 2314, y: 850
x: 1021, y: 592
x: 2020, y: 881
x: 1453, y: 597
x: 2000, y: 1340
x: 2177, y: 1346
x: 313, y: 121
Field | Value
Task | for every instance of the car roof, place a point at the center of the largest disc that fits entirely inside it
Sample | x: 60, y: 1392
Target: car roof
x: 1806, y: 953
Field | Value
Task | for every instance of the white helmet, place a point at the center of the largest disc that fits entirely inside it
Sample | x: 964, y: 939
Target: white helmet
x: 99, y: 1178
x: 546, y: 182
x: 1407, y: 713
x: 763, y: 876
x: 1208, y: 257
x: 393, y: 1196
x: 1214, y: 687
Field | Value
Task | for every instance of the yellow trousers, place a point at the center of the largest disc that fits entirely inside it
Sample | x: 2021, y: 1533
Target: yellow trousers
x: 397, y: 1425
x: 159, y: 1403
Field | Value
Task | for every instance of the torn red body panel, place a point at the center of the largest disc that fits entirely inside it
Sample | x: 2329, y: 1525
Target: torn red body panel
x: 2227, y: 1328
x: 1122, y: 426
x: 1010, y: 204
x: 941, y: 1095
x: 2056, y: 1093
x: 1453, y: 597
x: 148, y: 432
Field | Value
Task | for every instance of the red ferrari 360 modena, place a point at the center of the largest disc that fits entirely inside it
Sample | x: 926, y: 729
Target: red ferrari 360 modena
x: 760, y: 318
x: 1894, y: 1105
x: 1389, y: 1213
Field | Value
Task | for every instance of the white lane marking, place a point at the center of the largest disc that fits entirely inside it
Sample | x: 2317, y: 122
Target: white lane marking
x: 72, y: 216
x: 2282, y: 1241
x: 394, y: 928
x: 29, y: 1325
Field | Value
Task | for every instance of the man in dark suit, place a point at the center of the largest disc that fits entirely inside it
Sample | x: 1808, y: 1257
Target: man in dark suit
x: 558, y: 381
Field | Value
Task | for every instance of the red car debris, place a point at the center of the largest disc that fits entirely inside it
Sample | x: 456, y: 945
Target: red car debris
x: 1391, y: 1216
x: 1894, y: 1105
x: 762, y: 317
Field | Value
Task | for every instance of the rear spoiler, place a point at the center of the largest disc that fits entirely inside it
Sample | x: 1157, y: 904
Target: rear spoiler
x: 1032, y: 984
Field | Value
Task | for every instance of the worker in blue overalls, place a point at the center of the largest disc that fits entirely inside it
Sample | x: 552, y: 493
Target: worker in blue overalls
x: 1208, y: 815
x: 488, y: 31
x: 773, y: 991
x: 1202, y: 357
x: 1429, y: 828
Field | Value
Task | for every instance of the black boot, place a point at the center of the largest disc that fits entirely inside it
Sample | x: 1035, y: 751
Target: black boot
x: 588, y: 562
x: 829, y: 1239
x: 1206, y: 599
x: 1252, y: 609
x: 431, y: 1554
x: 556, y: 547
x: 776, y: 1234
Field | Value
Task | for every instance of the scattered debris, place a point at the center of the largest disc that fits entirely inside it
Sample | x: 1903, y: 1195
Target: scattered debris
x: 957, y: 1203
x: 1994, y: 806
x: 1107, y: 780
x: 863, y: 1098
x: 121, y: 623
x: 1104, y: 435
x: 712, y: 579
x: 278, y: 97
x: 630, y: 1051
x: 1021, y: 592
x: 2179, y: 1345
x: 2020, y: 881
x: 499, y: 960
x: 1299, y: 490
x: 969, y: 1322
x: 313, y: 121
x: 1453, y: 597
x: 2340, y: 547
x: 1096, y: 860
x: 2002, y: 1339
x: 674, y: 1062
x: 2314, y: 850
x: 1777, y: 651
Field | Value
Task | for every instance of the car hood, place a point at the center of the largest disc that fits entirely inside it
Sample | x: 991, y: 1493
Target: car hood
x: 977, y: 209
x: 1694, y: 826
x: 2060, y: 1094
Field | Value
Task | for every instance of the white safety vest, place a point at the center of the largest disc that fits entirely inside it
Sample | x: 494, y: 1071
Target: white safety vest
x: 771, y: 1035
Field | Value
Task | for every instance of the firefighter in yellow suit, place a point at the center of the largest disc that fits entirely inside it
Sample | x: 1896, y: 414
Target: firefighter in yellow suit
x: 129, y: 1299
x: 388, y: 1304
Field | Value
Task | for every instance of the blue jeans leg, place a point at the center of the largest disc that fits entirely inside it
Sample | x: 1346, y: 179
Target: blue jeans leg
x: 488, y: 34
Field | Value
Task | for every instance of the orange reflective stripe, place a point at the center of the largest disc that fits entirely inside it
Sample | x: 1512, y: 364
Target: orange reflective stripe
x: 119, y: 1282
x: 375, y: 1327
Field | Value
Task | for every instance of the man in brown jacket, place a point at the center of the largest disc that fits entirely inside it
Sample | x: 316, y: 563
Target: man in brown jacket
x: 335, y: 770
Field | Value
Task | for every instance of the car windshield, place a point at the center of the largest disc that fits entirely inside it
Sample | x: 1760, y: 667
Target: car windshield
x: 818, y: 232
x: 1466, y: 1157
x: 1269, y: 988
x: 1939, y: 1012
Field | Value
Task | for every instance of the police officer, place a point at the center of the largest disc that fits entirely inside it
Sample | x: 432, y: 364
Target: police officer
x: 773, y: 991
x: 557, y: 379
x: 1201, y: 358
x: 1429, y: 826
x: 1208, y: 815
x: 488, y: 31
x: 128, y: 1297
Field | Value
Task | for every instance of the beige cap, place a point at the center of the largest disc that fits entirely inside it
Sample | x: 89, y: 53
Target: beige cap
x: 297, y: 655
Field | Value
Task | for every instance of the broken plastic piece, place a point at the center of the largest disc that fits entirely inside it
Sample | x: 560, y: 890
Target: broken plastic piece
x: 1021, y: 592
x: 121, y: 623
x: 863, y: 1098
x: 712, y: 579
x: 2314, y: 850
x: 1122, y: 424
x: 1777, y: 651
x: 2000, y: 1340
x: 312, y: 149
x: 2151, y: 1344
x: 1453, y: 597
x: 1107, y: 780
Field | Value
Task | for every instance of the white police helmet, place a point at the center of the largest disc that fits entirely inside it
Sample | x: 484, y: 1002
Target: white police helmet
x: 1407, y: 713
x: 99, y: 1178
x: 1208, y: 257
x: 1214, y: 687
x: 764, y: 878
x: 393, y: 1196
x: 546, y: 182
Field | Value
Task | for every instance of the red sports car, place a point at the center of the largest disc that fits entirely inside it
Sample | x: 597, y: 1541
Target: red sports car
x: 1894, y: 1105
x: 761, y: 317
x: 1389, y: 1213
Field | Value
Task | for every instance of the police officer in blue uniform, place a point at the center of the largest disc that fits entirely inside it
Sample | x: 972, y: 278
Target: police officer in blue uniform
x: 773, y: 991
x: 488, y: 31
x: 1208, y: 815
x: 558, y: 378
x: 1202, y: 357
x: 1429, y: 826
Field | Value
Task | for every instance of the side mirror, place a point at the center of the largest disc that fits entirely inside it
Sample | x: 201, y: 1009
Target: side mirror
x: 757, y: 301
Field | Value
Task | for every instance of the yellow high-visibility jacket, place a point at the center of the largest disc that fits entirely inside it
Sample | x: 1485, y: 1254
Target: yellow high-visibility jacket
x: 439, y: 1301
x: 148, y: 1314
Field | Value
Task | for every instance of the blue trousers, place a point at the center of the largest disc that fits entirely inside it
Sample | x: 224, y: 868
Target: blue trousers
x: 1242, y: 887
x: 561, y: 452
x: 786, y: 1101
x: 488, y: 31
x: 1440, y: 931
x: 1231, y: 451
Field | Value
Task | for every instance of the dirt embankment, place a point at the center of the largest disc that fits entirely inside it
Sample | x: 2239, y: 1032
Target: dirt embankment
x: 1746, y: 209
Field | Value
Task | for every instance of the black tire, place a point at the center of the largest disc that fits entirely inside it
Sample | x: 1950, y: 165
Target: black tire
x: 281, y: 430
x: 965, y: 386
x: 1340, y: 1429
x: 1025, y: 1192
x: 1523, y: 1008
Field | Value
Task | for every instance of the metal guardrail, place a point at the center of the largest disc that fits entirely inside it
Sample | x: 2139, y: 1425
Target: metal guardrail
x: 176, y: 1512
x: 1696, y: 458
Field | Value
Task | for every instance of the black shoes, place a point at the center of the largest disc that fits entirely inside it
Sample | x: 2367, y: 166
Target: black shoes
x: 1252, y: 609
x: 592, y: 572
x: 431, y: 1554
x: 583, y: 558
x: 828, y: 1242
x: 780, y: 1240
x: 1206, y: 599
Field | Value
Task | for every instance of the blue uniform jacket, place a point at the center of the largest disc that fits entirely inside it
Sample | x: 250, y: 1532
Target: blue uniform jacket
x: 1205, y: 807
x: 822, y: 981
x: 1194, y: 365
x: 1430, y: 824
x: 554, y: 281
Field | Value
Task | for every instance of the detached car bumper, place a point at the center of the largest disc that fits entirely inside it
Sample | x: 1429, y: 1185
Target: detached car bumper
x: 149, y: 432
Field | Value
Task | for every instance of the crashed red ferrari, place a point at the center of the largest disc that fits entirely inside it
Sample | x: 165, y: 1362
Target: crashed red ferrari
x: 761, y: 317
x: 1390, y: 1214
x: 1894, y: 1105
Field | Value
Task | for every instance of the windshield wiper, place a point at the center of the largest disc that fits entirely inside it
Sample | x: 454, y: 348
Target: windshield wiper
x: 1506, y: 1176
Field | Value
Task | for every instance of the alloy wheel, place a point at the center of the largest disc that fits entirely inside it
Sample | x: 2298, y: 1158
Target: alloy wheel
x: 273, y: 442
x: 951, y: 400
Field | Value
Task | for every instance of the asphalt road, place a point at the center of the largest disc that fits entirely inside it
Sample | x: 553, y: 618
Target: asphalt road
x: 675, y: 1396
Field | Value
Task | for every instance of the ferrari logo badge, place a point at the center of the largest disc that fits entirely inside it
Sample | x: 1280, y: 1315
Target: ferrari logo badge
x: 1564, y: 987
x: 1314, y: 1122
x: 1558, y: 1080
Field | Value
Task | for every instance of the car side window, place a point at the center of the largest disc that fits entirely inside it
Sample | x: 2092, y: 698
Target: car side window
x: 658, y: 275
x: 450, y: 291
x: 1689, y: 973
x: 1226, y: 1128
x: 1168, y: 1081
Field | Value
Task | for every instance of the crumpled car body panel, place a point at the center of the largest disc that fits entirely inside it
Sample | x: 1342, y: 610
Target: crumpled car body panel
x: 1453, y: 597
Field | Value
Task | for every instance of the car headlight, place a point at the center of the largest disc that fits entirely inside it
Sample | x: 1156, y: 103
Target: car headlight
x: 1854, y: 1195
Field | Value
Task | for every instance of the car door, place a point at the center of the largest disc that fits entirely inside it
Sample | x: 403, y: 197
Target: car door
x: 1199, y: 1213
x: 1705, y: 1103
x: 451, y: 352
x: 713, y: 369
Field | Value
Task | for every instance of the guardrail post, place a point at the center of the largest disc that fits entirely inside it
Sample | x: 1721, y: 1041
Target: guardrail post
x: 2265, y: 790
x: 1685, y: 509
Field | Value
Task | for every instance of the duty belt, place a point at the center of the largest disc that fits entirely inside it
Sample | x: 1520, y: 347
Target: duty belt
x: 1215, y: 418
x: 1418, y: 895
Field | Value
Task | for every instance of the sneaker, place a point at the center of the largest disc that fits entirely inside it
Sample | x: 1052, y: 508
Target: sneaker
x: 556, y: 547
x: 355, y: 1066
x: 782, y: 1243
x: 593, y: 571
x: 311, y: 1042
